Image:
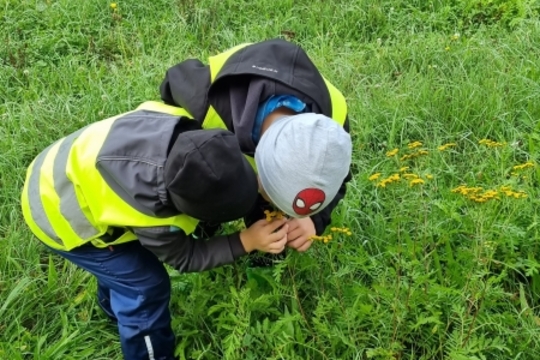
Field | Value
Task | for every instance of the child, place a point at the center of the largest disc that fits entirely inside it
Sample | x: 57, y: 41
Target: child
x: 285, y: 114
x: 123, y: 195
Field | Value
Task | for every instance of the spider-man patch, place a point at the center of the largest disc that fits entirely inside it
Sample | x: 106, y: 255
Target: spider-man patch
x: 308, y: 201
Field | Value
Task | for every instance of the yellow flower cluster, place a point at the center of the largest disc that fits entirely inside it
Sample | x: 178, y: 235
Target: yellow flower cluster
x: 414, y: 155
x: 411, y: 146
x: 346, y: 231
x: 445, y: 146
x: 414, y: 145
x: 270, y: 215
x: 475, y: 193
x: 326, y: 238
x: 389, y: 180
x: 491, y: 143
x: 416, y: 182
x: 413, y: 178
x: 517, y: 168
x: 507, y: 190
x: 528, y: 164
x: 478, y: 194
x: 392, y: 152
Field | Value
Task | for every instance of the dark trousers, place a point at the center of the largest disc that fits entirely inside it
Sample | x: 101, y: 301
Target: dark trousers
x: 133, y: 289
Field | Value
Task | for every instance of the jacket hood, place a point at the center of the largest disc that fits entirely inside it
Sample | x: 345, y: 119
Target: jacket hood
x: 249, y: 76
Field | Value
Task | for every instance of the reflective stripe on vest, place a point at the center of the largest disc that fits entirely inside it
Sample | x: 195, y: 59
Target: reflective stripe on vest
x: 69, y: 205
x: 66, y: 202
x: 35, y: 208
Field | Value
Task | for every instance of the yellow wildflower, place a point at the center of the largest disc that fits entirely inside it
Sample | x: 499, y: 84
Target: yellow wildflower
x: 490, y: 143
x: 515, y: 195
x: 477, y: 194
x: 414, y: 145
x: 410, y: 176
x: 390, y: 179
x: 430, y: 177
x: 416, y: 182
x: 270, y: 215
x: 113, y: 6
x: 405, y: 168
x: 392, y: 152
x: 325, y: 238
x: 490, y: 194
x: 528, y: 164
x: 445, y: 146
x: 415, y: 154
x: 374, y: 176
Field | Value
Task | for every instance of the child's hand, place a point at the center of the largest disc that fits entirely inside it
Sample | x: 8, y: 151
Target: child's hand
x: 261, y: 236
x: 300, y: 232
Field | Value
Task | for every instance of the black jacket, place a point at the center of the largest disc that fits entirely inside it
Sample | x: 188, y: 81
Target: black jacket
x: 247, y: 78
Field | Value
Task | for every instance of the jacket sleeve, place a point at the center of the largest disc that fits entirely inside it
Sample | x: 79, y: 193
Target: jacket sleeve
x: 186, y: 85
x: 323, y: 218
x: 188, y: 254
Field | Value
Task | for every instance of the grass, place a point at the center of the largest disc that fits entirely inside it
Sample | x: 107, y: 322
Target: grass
x: 427, y: 274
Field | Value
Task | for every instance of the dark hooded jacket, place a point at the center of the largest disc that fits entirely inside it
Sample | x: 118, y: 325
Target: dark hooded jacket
x: 248, y: 78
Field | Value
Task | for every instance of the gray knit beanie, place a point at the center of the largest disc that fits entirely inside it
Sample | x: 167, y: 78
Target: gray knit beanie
x: 302, y: 161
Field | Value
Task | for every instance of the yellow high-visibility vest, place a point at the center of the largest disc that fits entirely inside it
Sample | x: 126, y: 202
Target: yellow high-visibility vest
x: 67, y: 203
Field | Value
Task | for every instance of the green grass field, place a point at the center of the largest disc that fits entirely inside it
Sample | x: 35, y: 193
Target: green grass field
x: 443, y: 268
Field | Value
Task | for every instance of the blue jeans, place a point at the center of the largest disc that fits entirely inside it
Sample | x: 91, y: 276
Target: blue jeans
x: 134, y: 289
